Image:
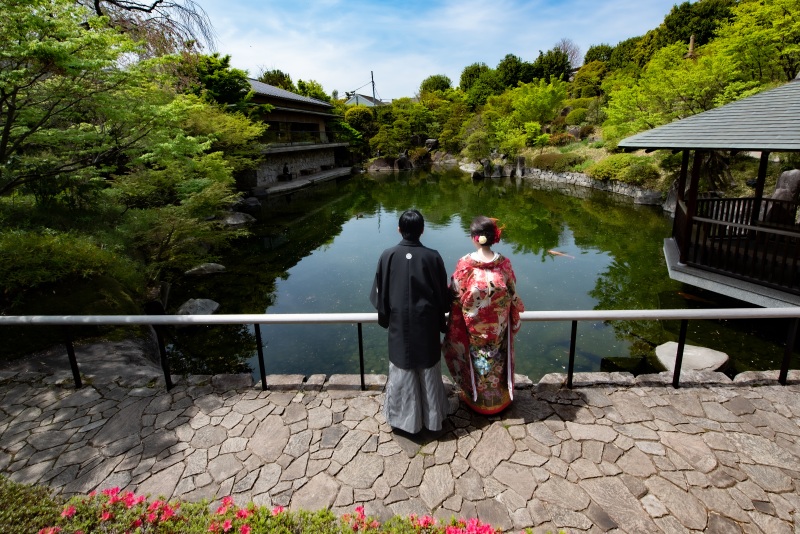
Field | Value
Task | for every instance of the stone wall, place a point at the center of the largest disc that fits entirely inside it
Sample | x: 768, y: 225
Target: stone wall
x: 269, y: 170
x: 569, y: 179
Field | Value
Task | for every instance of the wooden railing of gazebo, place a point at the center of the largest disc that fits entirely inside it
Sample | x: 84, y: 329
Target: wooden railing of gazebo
x: 756, y: 240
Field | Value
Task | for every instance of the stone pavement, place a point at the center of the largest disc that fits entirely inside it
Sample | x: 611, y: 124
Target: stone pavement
x: 616, y: 454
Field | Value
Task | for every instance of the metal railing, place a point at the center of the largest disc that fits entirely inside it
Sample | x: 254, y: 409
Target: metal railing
x: 161, y: 321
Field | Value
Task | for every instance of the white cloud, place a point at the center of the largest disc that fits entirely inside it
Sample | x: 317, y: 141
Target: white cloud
x: 338, y: 43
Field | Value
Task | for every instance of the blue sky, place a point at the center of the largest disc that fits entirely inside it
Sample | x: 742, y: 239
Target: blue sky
x: 338, y: 42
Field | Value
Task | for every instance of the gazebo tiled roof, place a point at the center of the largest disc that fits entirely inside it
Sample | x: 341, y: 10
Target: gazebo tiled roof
x: 767, y: 122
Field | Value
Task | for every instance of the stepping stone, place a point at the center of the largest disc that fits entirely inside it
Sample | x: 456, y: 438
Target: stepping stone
x: 694, y: 358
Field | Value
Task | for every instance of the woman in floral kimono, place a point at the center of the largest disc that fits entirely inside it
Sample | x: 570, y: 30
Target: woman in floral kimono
x: 484, y: 317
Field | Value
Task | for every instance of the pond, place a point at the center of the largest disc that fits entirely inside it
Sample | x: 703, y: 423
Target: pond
x: 316, y: 252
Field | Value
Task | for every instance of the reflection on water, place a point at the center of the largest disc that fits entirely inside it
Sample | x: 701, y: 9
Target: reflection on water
x: 316, y: 252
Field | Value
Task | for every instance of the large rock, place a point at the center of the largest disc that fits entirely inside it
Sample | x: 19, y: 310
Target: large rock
x: 198, y: 307
x: 694, y: 358
x: 237, y: 220
x: 381, y: 165
x: 431, y: 144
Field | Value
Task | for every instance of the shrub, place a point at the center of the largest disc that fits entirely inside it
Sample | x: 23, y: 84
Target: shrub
x: 580, y: 103
x: 31, y: 259
x: 114, y: 511
x: 556, y: 162
x: 576, y: 116
x: 626, y: 168
x: 418, y: 154
x: 561, y: 139
x: 585, y: 131
x: 26, y: 508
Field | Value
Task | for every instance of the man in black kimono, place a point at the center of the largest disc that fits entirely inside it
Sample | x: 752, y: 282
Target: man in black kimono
x: 411, y: 295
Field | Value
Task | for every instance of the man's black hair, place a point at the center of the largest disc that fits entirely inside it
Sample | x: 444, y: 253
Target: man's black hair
x: 411, y: 225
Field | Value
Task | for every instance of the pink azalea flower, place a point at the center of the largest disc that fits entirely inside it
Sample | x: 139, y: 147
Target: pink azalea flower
x: 245, y: 529
x: 138, y: 523
x: 152, y: 517
x: 167, y: 513
x: 222, y: 510
x: 277, y: 510
x: 227, y: 525
x: 155, y: 505
x: 106, y: 515
x: 111, y: 492
x: 242, y: 513
x: 227, y: 501
x: 69, y: 511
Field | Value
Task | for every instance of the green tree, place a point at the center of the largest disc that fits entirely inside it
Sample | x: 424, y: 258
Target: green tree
x: 671, y: 88
x: 588, y: 80
x: 277, y: 78
x: 510, y: 70
x: 552, y: 65
x: 312, y: 89
x: 58, y: 82
x: 601, y: 52
x: 488, y: 84
x: 764, y: 39
x: 217, y: 81
x: 626, y: 54
x: 361, y: 117
x: 436, y: 82
x: 470, y: 75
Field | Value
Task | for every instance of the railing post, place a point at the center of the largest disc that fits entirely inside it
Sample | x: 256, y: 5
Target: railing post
x: 261, y: 366
x: 361, y: 357
x: 73, y: 362
x: 571, y: 367
x: 787, y: 353
x: 676, y: 375
x: 155, y: 307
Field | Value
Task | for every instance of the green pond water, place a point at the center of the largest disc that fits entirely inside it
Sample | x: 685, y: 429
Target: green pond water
x: 316, y: 252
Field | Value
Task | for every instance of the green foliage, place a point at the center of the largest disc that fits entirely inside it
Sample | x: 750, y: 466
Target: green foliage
x: 626, y: 168
x: 552, y: 65
x: 601, y: 52
x: 360, y: 117
x: 673, y: 88
x: 437, y: 82
x: 470, y: 75
x: 576, y: 116
x: 588, y: 80
x: 512, y: 71
x: 556, y: 161
x: 488, y: 84
x: 763, y: 39
x: 626, y: 53
x: 312, y: 89
x: 213, y: 78
x: 60, y: 74
x: 26, y: 508
x: 278, y: 78
x: 31, y: 259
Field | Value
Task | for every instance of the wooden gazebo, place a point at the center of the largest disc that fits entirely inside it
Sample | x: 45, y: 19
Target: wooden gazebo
x: 747, y: 248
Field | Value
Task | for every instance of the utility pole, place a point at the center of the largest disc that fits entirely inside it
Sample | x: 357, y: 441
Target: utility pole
x: 372, y: 77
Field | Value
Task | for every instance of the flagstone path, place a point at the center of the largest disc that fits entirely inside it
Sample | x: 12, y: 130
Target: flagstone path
x: 615, y: 454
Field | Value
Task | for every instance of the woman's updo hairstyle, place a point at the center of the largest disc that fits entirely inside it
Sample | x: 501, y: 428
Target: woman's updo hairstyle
x: 486, y: 228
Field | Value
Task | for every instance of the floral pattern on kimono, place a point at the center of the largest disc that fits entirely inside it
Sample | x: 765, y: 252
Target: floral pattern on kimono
x: 478, y: 346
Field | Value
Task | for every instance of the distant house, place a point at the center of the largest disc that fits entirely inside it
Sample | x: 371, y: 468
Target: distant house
x: 363, y: 100
x: 298, y: 138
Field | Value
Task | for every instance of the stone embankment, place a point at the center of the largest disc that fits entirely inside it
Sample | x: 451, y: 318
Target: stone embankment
x: 616, y: 454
